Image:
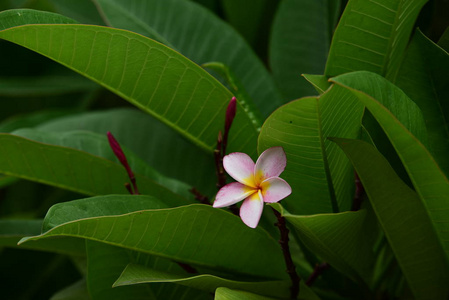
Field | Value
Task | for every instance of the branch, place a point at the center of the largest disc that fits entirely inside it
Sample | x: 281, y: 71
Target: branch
x: 291, y: 270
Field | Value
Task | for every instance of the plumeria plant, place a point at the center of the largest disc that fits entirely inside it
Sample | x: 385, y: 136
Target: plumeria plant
x: 224, y: 149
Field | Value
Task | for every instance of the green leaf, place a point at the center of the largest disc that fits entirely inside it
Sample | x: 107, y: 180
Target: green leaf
x: 372, y: 36
x: 113, y: 58
x: 11, y: 231
x: 18, y: 17
x: 104, y: 264
x: 109, y: 205
x: 300, y: 40
x: 84, y: 11
x: 444, y: 40
x: 428, y: 180
x: 199, y: 35
x: 423, y: 77
x: 319, y: 82
x: 98, y: 145
x: 72, y: 169
x: 148, y: 138
x: 194, y: 234
x: 344, y: 240
x: 136, y: 274
x: 223, y: 293
x: 412, y: 236
x: 30, y: 119
x: 238, y: 90
x: 76, y: 291
x: 320, y: 175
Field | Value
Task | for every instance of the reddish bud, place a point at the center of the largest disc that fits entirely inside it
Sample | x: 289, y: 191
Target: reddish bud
x: 230, y: 114
x: 118, y: 152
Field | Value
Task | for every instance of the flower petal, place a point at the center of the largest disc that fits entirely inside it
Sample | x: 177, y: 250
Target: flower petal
x: 241, y: 167
x: 231, y: 194
x: 275, y: 189
x: 271, y: 163
x: 251, y: 210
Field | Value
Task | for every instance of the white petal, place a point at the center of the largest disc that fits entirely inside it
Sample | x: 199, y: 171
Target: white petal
x: 275, y: 189
x: 251, y: 210
x: 231, y: 194
x: 271, y: 163
x: 240, y: 167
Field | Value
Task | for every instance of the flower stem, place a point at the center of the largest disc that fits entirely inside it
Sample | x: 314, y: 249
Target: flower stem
x: 291, y: 270
x: 200, y: 197
x: 319, y: 268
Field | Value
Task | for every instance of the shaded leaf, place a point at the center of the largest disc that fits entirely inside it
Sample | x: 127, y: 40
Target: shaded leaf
x: 150, y: 139
x: 135, y: 274
x: 428, y: 180
x: 423, y: 77
x: 71, y: 169
x: 344, y: 240
x: 412, y: 236
x: 98, y: 145
x: 76, y: 291
x: 300, y: 40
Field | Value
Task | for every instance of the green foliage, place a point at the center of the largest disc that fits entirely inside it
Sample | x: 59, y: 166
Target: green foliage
x: 365, y: 132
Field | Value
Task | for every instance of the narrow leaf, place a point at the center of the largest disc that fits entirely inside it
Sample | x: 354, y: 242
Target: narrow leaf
x: 135, y: 274
x: 412, y: 236
x: 427, y: 177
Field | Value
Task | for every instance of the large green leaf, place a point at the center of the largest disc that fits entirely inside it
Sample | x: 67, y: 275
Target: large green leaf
x: 427, y: 177
x: 344, y: 240
x: 151, y: 140
x: 72, y: 169
x: 198, y: 34
x: 100, y: 206
x: 423, y: 77
x: 300, y: 41
x: 151, y: 76
x: 195, y: 234
x: 372, y: 36
x: 412, y: 236
x: 135, y: 274
x: 320, y: 175
x: 98, y: 145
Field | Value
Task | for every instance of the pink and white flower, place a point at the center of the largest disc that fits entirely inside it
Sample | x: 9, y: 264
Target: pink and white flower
x: 256, y: 183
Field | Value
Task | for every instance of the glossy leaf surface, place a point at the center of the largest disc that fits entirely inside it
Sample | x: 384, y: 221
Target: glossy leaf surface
x: 195, y: 234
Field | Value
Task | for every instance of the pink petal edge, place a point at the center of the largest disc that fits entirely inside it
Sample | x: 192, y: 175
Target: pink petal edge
x: 231, y: 193
x: 275, y: 189
x: 251, y: 210
x: 240, y: 167
x: 271, y: 163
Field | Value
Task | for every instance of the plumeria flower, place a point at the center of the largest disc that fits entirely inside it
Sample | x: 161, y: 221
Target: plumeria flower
x: 256, y: 183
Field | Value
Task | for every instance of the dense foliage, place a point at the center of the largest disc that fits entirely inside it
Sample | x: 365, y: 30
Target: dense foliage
x: 365, y: 131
